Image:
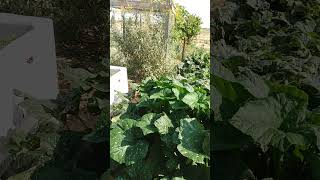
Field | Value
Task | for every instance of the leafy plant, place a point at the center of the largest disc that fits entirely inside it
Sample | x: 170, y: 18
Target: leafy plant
x: 264, y: 104
x: 52, y: 152
x: 164, y: 135
x: 196, y: 68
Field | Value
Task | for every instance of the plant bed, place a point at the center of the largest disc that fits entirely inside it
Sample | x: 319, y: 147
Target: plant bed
x: 164, y: 133
x: 266, y: 85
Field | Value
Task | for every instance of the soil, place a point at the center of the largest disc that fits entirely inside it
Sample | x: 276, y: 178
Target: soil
x: 86, y: 120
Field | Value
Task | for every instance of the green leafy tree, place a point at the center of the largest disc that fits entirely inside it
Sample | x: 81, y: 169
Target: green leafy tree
x: 187, y: 27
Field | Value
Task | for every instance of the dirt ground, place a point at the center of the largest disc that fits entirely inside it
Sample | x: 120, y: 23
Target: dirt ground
x: 203, y: 39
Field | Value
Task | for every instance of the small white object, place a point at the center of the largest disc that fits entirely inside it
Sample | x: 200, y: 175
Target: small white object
x: 118, y: 81
x: 27, y: 63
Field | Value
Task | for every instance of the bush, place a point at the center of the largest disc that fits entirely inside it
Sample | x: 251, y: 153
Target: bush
x: 144, y: 51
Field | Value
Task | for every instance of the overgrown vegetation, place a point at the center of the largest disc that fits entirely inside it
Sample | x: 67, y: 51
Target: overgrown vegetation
x: 166, y: 133
x: 151, y: 43
x: 265, y: 86
x: 142, y: 46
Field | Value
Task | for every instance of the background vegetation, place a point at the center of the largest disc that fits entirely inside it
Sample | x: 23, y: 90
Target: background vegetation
x: 265, y: 84
x: 143, y: 50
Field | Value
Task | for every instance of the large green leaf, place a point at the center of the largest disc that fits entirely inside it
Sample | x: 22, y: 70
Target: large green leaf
x: 164, y: 124
x: 224, y: 87
x: 146, y: 123
x: 126, y: 147
x: 191, y: 99
x: 253, y: 83
x: 289, y: 90
x: 192, y: 135
x: 262, y: 120
x: 78, y: 77
x: 257, y: 117
x: 219, y: 70
x: 216, y: 100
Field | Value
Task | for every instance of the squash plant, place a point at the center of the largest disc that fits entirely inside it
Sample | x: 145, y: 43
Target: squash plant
x: 165, y: 135
x: 265, y: 88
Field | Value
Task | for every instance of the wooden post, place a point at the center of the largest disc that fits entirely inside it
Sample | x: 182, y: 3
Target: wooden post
x: 123, y: 24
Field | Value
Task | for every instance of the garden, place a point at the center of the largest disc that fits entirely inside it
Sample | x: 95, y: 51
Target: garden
x: 160, y: 129
x: 266, y: 90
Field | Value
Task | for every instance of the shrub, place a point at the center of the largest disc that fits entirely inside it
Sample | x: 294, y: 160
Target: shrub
x: 144, y: 51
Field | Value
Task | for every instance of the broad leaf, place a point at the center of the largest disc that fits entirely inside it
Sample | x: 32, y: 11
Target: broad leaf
x: 192, y: 135
x: 126, y: 147
x: 163, y: 124
x: 191, y: 99
x: 262, y: 119
x: 146, y: 123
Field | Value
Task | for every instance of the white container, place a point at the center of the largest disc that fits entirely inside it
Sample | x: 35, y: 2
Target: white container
x: 118, y: 82
x: 27, y: 63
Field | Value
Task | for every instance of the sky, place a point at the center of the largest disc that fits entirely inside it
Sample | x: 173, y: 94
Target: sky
x: 200, y: 8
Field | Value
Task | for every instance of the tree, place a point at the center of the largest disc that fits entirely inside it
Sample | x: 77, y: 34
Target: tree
x: 187, y: 27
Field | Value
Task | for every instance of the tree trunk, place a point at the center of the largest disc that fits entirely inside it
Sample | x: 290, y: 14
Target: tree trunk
x: 183, y: 49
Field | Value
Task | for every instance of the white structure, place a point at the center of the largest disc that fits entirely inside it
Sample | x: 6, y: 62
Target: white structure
x: 27, y: 63
x: 118, y: 82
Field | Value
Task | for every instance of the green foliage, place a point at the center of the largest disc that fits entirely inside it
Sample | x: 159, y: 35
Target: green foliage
x: 265, y: 84
x: 187, y: 27
x: 144, y: 52
x: 48, y: 151
x: 165, y: 135
x: 196, y: 68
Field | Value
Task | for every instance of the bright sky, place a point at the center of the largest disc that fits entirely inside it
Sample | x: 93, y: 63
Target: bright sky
x: 200, y: 8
